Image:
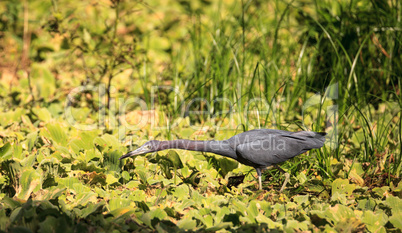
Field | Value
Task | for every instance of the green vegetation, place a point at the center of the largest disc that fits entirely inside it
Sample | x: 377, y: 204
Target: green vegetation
x: 81, y: 84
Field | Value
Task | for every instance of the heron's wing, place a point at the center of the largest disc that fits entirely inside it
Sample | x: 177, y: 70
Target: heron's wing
x: 308, y: 138
x: 265, y: 147
x: 260, y: 153
x: 277, y: 148
x: 264, y: 133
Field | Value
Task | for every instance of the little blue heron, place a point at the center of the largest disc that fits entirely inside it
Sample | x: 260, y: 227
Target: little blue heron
x: 259, y: 148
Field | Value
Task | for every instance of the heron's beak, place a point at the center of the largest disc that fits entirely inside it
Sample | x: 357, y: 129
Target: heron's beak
x: 138, y: 151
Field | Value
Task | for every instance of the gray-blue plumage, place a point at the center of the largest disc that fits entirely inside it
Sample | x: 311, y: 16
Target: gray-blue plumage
x: 258, y: 148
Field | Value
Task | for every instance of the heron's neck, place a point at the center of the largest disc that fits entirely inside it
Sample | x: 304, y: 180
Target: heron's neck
x: 217, y: 147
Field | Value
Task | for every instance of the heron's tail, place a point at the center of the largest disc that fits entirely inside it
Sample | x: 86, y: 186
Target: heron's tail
x: 320, y: 135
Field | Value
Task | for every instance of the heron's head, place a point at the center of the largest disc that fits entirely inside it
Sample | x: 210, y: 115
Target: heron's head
x: 148, y: 147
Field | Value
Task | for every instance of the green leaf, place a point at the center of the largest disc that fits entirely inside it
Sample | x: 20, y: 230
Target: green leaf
x: 53, y: 193
x: 142, y: 205
x: 296, y: 226
x: 239, y: 206
x: 186, y: 132
x: 6, y: 151
x: 302, y: 178
x: 380, y: 191
x: 110, y: 179
x: 394, y: 203
x: 92, y: 208
x: 399, y: 187
x: 30, y: 181
x: 125, y: 175
x: 85, y: 141
x: 29, y: 161
x: 158, y: 213
x: 73, y: 184
x: 187, y: 224
x: 252, y: 209
x: 43, y: 114
x: 150, y: 217
x: 133, y: 184
x: 122, y: 211
x: 56, y: 109
x: 342, y: 186
x: 56, y: 133
x: 374, y: 221
x: 83, y: 198
x: 302, y: 200
x: 112, y: 161
x: 185, y: 172
x: 111, y: 141
x: 10, y: 203
x: 31, y: 140
x: 340, y: 212
x: 181, y: 192
x: 339, y: 197
x: 49, y: 225
x: 367, y: 204
x: 11, y: 117
x: 271, y: 224
x: 396, y: 220
x: 143, y: 177
x: 227, y: 165
x: 16, y: 214
x: 92, y: 154
x: 78, y: 116
x: 208, y: 221
x: 219, y: 226
x: 77, y: 145
x: 174, y: 158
